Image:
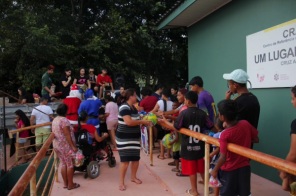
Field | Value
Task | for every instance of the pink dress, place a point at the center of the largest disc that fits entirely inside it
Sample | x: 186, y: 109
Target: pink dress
x: 60, y: 144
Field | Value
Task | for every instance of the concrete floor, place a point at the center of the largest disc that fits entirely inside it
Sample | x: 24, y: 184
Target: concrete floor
x: 157, y: 180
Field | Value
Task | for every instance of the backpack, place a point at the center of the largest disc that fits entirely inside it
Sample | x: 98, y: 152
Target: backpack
x: 83, y: 137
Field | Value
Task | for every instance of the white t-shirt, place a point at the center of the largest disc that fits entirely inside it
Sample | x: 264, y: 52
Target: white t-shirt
x: 161, y: 105
x: 40, y: 117
x: 112, y: 109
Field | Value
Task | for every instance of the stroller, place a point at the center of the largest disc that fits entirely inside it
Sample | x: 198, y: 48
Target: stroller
x: 94, y: 152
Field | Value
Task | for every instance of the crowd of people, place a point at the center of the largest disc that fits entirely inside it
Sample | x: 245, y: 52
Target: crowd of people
x: 235, y: 121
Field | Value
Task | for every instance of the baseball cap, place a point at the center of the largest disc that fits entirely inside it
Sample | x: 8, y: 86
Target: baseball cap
x: 238, y: 75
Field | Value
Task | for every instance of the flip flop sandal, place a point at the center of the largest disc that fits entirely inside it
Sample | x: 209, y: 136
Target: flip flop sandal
x: 75, y: 186
x: 181, y: 175
x: 159, y: 157
x: 172, y: 163
x: 188, y: 192
x: 122, y: 187
x: 175, y: 170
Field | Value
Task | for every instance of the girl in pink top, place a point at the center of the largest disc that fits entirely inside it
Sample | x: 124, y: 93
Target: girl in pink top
x: 111, y: 114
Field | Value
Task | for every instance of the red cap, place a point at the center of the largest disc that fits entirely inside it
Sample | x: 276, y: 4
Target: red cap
x: 74, y: 87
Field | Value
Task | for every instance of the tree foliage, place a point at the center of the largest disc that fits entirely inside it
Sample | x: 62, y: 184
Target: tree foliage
x: 120, y: 35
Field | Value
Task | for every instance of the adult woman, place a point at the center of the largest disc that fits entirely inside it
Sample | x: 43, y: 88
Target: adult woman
x: 24, y: 96
x: 64, y: 145
x: 128, y: 137
x: 21, y: 121
x: 288, y: 178
x: 111, y: 114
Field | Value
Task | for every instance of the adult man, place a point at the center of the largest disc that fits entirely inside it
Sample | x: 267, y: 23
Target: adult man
x: 46, y: 83
x: 103, y: 81
x: 91, y: 106
x: 205, y: 99
x: 66, y: 82
x: 248, y: 104
x: 41, y: 114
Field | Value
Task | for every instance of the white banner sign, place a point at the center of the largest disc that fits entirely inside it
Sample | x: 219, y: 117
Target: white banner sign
x: 271, y: 56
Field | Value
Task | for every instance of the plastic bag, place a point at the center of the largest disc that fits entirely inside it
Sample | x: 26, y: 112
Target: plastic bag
x: 78, y: 159
x: 214, y: 182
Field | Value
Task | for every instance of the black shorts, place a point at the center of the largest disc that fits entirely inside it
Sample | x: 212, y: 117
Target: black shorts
x: 236, y: 182
x: 176, y: 155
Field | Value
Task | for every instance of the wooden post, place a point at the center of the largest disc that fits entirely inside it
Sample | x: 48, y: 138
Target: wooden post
x: 56, y: 167
x: 207, y: 164
x: 33, y: 190
x: 151, y: 144
x: 16, y: 148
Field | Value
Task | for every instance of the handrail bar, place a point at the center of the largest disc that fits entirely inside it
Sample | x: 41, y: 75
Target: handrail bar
x: 24, y: 180
x: 266, y: 159
x: 14, y: 131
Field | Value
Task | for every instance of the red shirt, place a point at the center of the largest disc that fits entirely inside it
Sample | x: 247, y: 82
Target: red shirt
x: 148, y: 103
x: 23, y: 134
x: 90, y: 129
x: 241, y: 134
x: 103, y: 79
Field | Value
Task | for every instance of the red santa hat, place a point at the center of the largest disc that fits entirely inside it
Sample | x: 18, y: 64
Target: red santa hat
x: 74, y: 87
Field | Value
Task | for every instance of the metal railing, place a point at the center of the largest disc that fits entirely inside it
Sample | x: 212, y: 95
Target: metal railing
x: 260, y: 157
x: 29, y: 176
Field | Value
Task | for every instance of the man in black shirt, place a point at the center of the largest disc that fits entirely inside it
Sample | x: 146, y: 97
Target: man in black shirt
x: 248, y: 104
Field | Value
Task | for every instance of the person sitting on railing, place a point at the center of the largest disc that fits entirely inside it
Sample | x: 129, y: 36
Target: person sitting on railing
x: 64, y: 145
x: 234, y: 170
x: 22, y: 121
x: 91, y: 129
x: 288, y: 179
x: 24, y: 96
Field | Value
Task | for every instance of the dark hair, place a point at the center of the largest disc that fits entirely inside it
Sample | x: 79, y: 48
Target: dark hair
x: 159, y: 86
x: 228, y: 108
x: 196, y: 80
x: 82, y: 118
x: 67, y: 69
x: 183, y: 91
x: 128, y: 93
x: 219, y: 123
x: 166, y: 92
x: 191, y: 96
x: 62, y: 109
x: 23, y: 93
x: 146, y: 91
x: 43, y: 99
x: 81, y: 69
x: 23, y: 117
x: 175, y: 87
x: 50, y: 67
x: 293, y: 90
x: 109, y: 98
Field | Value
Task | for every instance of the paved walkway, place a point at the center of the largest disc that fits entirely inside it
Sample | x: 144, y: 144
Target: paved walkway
x: 157, y: 180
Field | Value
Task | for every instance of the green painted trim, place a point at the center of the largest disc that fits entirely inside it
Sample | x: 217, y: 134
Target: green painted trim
x: 175, y: 13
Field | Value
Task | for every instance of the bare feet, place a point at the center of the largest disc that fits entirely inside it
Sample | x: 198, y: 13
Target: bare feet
x: 137, y: 181
x: 122, y: 187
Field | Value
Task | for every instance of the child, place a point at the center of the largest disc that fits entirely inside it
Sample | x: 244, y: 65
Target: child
x: 214, y: 155
x: 234, y: 170
x: 91, y: 129
x: 169, y: 139
x: 192, y: 149
x: 21, y: 121
x: 288, y: 179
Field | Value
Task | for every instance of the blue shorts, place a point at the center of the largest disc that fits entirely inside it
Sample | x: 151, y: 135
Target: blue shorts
x: 236, y: 182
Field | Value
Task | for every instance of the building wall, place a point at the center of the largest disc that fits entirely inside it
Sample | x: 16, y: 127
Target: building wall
x: 217, y: 45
